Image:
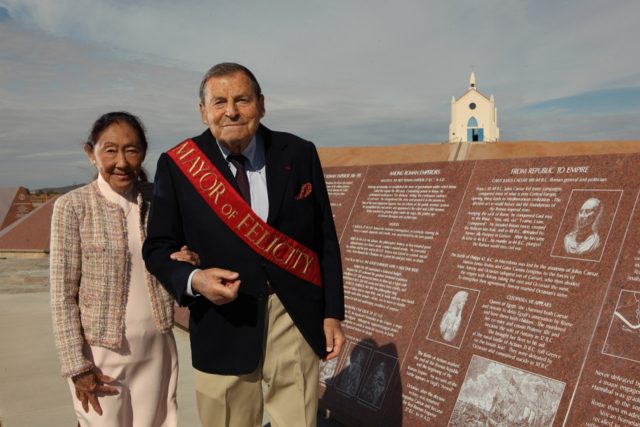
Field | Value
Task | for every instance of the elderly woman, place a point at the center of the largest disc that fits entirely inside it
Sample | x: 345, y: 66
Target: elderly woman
x: 112, y: 320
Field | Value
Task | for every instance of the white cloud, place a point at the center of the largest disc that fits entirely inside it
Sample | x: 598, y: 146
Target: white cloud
x: 339, y: 73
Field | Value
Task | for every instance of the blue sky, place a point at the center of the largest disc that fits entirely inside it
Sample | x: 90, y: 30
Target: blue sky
x: 340, y: 73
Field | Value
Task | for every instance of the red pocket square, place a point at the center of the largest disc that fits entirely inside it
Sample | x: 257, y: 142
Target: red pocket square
x: 305, y: 191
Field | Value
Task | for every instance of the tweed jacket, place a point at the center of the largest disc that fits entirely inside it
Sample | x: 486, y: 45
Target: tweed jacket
x: 89, y: 272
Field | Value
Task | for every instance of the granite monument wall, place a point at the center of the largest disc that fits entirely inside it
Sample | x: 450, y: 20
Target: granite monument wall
x: 489, y: 293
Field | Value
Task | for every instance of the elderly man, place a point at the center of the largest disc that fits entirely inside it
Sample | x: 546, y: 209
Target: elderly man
x: 584, y: 237
x: 268, y: 301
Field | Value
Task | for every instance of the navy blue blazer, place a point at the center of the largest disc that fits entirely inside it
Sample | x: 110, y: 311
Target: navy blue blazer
x: 228, y: 339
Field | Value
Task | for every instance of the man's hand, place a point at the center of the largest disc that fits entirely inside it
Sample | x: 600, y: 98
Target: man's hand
x: 217, y: 285
x: 186, y: 255
x: 88, y: 385
x: 334, y: 336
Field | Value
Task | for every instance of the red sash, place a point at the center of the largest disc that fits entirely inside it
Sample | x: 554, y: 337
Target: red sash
x: 231, y: 208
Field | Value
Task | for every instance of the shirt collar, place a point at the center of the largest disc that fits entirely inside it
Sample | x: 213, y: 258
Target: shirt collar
x: 254, y: 152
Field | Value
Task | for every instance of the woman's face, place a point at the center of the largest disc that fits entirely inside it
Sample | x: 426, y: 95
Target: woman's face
x: 118, y: 155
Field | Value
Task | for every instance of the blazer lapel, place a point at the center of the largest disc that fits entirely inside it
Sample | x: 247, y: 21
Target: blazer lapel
x: 279, y: 167
x: 207, y: 143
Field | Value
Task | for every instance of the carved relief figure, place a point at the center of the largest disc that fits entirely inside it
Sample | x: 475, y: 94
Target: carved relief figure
x: 376, y: 381
x: 451, y: 320
x: 327, y: 369
x: 498, y: 395
x: 623, y: 339
x: 584, y: 237
x: 350, y: 377
x: 630, y: 314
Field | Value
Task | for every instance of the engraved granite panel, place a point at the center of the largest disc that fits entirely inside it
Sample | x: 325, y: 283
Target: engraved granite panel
x: 502, y: 293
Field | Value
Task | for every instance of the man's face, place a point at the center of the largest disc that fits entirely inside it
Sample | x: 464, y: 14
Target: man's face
x: 232, y: 110
x: 588, y: 213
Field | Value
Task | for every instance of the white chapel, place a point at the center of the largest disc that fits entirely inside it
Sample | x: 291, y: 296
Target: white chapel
x: 474, y: 117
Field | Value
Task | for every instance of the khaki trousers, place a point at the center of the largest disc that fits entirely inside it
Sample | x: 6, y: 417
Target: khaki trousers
x: 289, y: 371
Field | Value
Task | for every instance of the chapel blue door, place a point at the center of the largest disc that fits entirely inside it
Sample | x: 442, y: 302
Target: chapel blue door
x: 475, y: 134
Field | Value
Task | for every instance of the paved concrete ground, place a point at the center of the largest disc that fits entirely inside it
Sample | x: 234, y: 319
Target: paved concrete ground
x: 32, y: 393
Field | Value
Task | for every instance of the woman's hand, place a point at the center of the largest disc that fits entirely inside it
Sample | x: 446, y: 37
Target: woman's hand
x: 89, y: 385
x: 186, y: 255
